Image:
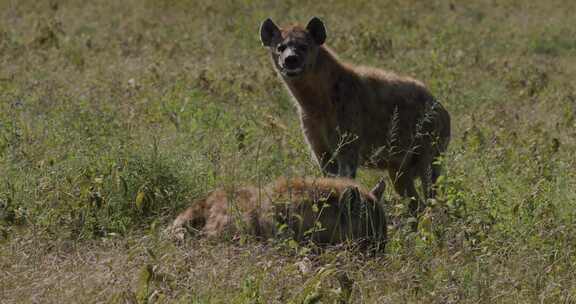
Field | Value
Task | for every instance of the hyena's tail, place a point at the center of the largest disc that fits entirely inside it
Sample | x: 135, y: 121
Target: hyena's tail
x: 192, y: 219
x: 444, y: 127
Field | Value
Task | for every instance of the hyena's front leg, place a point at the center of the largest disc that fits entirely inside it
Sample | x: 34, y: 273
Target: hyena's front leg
x: 347, y: 143
x: 320, y: 150
x: 338, y: 163
x: 328, y: 164
x: 347, y: 159
x: 347, y: 131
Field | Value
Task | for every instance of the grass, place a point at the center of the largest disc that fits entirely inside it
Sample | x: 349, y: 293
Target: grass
x: 114, y: 115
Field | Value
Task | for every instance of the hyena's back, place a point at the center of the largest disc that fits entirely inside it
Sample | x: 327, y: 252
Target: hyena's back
x: 397, y: 119
x: 299, y: 203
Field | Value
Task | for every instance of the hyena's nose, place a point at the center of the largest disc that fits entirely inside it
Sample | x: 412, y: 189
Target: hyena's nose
x: 292, y: 62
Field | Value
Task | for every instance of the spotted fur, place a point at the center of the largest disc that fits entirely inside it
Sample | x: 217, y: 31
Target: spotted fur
x: 322, y: 210
x: 355, y: 116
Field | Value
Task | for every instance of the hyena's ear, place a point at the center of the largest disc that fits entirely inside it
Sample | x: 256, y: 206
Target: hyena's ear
x: 268, y: 31
x: 378, y: 190
x: 317, y: 30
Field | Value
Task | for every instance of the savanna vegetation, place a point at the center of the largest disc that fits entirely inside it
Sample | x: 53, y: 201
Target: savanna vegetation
x: 114, y: 115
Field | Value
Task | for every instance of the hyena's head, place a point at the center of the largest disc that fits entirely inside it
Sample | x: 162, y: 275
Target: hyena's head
x: 294, y: 49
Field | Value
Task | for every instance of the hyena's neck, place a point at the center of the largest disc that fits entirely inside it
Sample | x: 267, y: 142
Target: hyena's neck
x: 313, y: 92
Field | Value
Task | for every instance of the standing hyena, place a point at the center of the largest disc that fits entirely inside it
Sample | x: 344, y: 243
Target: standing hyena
x: 355, y: 116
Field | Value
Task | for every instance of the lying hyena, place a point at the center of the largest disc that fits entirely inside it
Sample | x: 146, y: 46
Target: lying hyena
x: 323, y: 210
x: 354, y: 115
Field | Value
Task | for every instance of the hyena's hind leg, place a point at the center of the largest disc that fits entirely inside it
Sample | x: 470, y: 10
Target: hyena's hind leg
x: 429, y: 171
x: 435, y: 172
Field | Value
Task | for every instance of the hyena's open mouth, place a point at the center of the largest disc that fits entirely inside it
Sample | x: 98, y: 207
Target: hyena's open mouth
x: 292, y: 72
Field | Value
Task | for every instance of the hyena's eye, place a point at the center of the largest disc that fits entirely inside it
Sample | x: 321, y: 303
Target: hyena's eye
x: 281, y: 48
x: 303, y: 47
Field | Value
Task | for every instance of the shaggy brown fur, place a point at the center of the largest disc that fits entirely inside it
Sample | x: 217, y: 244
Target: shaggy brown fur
x: 324, y: 210
x: 355, y: 116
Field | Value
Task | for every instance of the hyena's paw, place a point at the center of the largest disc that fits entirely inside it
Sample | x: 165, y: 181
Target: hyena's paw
x: 175, y: 233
